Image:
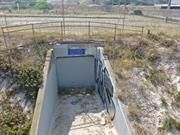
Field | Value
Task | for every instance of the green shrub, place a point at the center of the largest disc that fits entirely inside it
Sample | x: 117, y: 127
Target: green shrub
x: 12, y: 120
x: 163, y: 100
x: 134, y: 111
x: 27, y: 77
x: 137, y: 12
x: 43, y: 5
x: 152, y: 36
x: 162, y: 34
x: 171, y: 123
x: 177, y: 96
x: 156, y: 76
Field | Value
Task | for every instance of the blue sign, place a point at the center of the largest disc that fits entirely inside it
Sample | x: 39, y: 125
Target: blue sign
x: 76, y: 51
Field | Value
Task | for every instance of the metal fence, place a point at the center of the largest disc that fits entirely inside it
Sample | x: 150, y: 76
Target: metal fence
x: 18, y: 35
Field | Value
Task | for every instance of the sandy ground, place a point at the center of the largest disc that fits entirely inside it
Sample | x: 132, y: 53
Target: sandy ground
x: 80, y: 115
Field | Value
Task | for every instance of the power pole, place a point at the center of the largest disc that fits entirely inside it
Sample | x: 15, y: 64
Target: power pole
x: 63, y: 14
x: 168, y: 8
x: 124, y: 14
x: 5, y: 19
x: 119, y: 11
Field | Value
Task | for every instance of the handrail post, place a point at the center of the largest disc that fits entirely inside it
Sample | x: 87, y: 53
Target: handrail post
x: 89, y: 30
x: 4, y: 37
x: 115, y: 29
x: 142, y: 32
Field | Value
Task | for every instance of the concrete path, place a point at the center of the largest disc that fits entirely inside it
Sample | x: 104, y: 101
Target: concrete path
x: 80, y: 115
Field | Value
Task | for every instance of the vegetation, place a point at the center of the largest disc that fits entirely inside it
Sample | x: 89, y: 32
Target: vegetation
x: 140, y: 130
x: 163, y: 100
x: 123, y: 57
x: 125, y: 95
x: 138, y: 12
x: 43, y: 5
x: 29, y: 78
x: 156, y: 76
x: 12, y: 120
x: 134, y: 111
x: 171, y: 123
x: 152, y: 36
x: 177, y: 97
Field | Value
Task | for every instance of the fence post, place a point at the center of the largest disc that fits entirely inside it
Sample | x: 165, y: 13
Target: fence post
x: 89, y: 30
x: 115, y: 29
x: 33, y: 33
x: 124, y: 22
x: 142, y: 32
x: 62, y: 31
x: 4, y: 37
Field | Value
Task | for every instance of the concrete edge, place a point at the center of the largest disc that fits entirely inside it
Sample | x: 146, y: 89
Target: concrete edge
x: 114, y: 83
x: 40, y: 97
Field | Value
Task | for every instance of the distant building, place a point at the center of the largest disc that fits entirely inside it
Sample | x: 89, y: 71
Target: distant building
x: 175, y: 4
x: 6, y: 1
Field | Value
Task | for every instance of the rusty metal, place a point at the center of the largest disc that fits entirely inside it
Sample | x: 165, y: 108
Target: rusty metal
x: 81, y: 28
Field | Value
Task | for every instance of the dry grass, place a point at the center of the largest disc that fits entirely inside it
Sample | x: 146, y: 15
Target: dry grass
x: 134, y: 111
x: 139, y: 129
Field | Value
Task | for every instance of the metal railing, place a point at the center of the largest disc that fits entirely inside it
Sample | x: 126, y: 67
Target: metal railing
x: 18, y: 35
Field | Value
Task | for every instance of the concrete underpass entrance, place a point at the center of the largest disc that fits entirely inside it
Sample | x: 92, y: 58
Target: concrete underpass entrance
x: 79, y: 94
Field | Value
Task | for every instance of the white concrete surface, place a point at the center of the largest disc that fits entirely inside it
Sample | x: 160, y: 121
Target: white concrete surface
x: 81, y: 118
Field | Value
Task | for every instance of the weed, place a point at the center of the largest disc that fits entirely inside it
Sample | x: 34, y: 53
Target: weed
x: 152, y: 55
x: 162, y: 34
x: 177, y: 96
x: 156, y: 76
x: 167, y: 43
x: 122, y: 74
x: 134, y: 111
x: 27, y: 77
x: 125, y: 95
x: 13, y: 120
x: 163, y: 101
x: 152, y: 36
x: 171, y: 123
x: 139, y: 129
x: 10, y: 92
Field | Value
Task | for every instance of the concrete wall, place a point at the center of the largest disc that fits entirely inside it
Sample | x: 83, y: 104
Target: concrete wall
x: 75, y: 72
x: 120, y: 121
x: 49, y: 102
x: 46, y: 99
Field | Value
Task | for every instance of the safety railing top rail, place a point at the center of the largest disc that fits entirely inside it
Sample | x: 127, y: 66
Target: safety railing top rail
x: 51, y: 22
x: 86, y: 30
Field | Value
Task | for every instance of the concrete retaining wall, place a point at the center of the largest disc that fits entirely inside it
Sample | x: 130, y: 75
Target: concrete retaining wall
x: 48, y: 94
x: 120, y: 121
x: 49, y: 102
x: 46, y: 100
